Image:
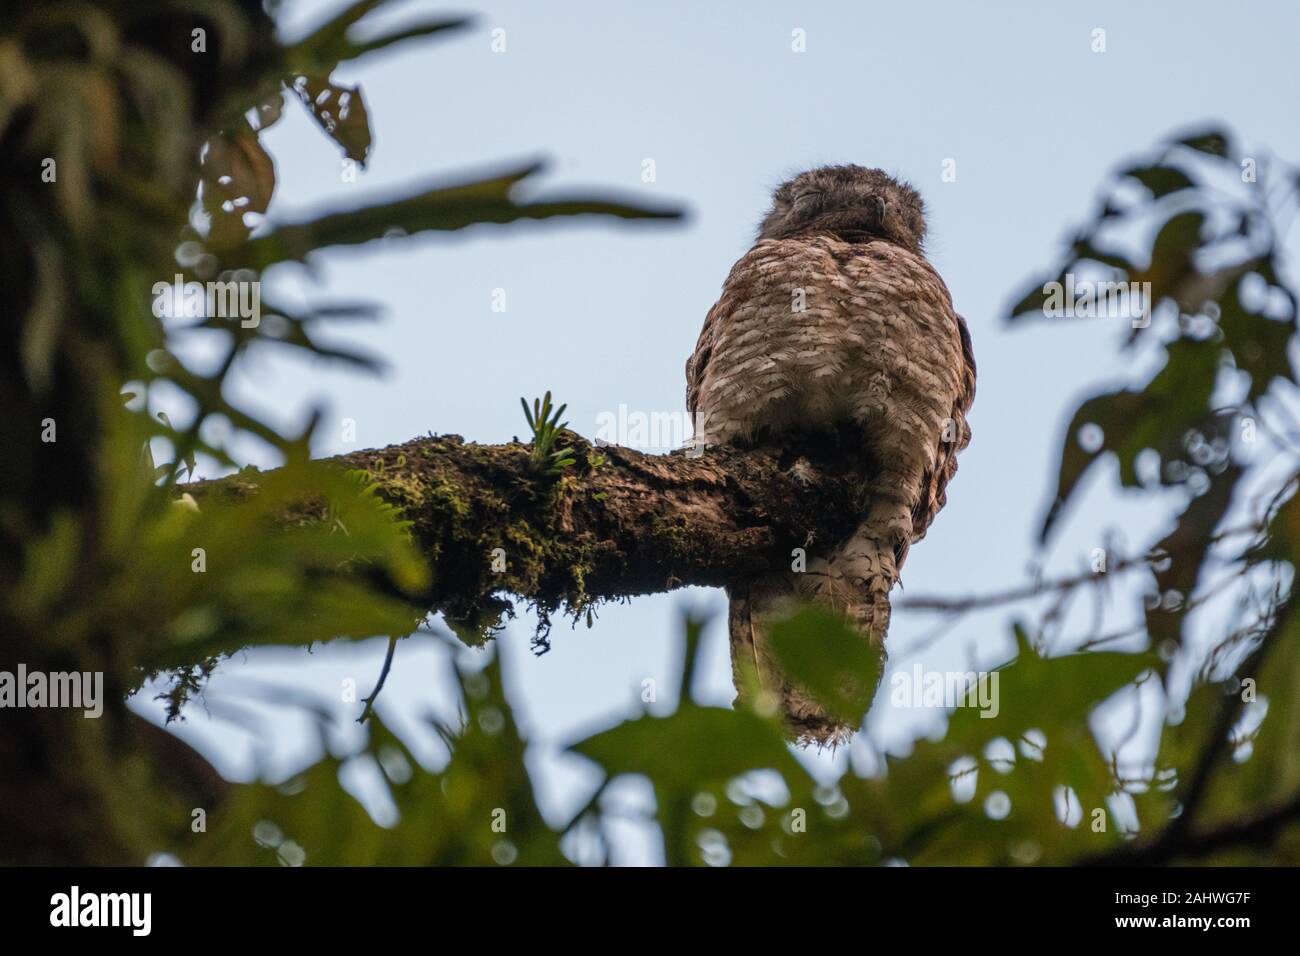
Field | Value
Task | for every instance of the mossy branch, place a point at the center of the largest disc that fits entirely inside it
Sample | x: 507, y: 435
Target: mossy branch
x: 612, y: 524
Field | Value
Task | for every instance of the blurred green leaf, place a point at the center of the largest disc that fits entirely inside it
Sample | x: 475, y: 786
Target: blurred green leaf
x: 1213, y: 142
x: 1184, y: 552
x: 1160, y: 180
x: 694, y: 746
x: 1126, y: 423
x: 446, y: 208
x: 837, y: 666
x: 331, y: 43
x: 478, y: 810
x: 1044, y: 693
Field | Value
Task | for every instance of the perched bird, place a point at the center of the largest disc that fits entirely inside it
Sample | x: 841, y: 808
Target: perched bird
x: 834, y: 319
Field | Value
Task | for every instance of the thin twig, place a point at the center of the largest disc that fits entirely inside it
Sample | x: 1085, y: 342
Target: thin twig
x: 1254, y: 830
x: 383, y: 676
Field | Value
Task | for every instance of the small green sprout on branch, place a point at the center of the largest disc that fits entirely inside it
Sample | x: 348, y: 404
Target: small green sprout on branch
x: 547, y: 460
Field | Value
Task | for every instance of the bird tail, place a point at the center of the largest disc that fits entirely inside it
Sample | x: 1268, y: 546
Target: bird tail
x: 854, y: 580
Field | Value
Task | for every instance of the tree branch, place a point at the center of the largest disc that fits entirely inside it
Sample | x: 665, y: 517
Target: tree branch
x: 1257, y: 830
x: 617, y: 523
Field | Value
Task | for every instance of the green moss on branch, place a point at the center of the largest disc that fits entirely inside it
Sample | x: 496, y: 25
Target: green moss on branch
x: 614, y: 524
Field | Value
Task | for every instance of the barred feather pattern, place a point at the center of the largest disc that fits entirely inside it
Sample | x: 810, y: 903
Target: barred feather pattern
x: 812, y: 332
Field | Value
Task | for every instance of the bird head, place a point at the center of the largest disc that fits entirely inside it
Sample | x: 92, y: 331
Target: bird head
x: 853, y: 203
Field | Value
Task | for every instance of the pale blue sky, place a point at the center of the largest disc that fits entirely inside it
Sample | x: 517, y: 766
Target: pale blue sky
x: 605, y: 314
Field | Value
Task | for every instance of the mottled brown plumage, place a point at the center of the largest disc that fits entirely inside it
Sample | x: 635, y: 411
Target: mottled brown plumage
x: 834, y: 317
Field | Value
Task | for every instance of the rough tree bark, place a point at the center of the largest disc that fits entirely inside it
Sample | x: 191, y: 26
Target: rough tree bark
x: 615, y: 524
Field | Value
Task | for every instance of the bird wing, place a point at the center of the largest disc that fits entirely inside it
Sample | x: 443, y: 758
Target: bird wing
x: 934, y: 488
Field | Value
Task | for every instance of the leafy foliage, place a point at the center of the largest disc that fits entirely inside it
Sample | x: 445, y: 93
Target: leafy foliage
x: 124, y: 126
x: 477, y: 810
x: 546, y: 428
x: 818, y: 651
